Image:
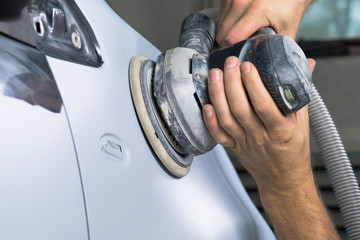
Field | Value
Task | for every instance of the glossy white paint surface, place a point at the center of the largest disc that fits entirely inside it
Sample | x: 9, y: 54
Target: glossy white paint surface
x: 40, y: 190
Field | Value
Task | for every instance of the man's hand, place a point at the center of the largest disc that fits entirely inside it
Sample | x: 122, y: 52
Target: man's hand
x: 274, y: 148
x: 239, y: 19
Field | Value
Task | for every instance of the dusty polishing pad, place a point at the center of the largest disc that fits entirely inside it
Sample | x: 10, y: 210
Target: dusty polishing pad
x: 141, y: 73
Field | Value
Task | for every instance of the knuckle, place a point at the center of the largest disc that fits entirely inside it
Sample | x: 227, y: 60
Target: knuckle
x: 233, y: 145
x: 281, y: 136
x: 238, y: 112
x: 230, y: 38
x: 264, y: 108
x: 225, y: 123
x: 258, y: 141
x: 238, y: 5
x: 225, y: 141
x: 211, y: 125
x: 259, y: 7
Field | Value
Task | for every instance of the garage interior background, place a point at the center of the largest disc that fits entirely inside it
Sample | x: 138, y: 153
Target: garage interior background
x: 336, y: 75
x: 159, y: 21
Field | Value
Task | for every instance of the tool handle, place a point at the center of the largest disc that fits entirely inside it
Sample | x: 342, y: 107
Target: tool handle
x: 281, y: 63
x: 283, y: 68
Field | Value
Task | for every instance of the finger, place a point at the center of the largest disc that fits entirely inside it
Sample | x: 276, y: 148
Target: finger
x: 262, y: 102
x: 302, y: 115
x: 225, y: 8
x: 225, y: 23
x: 237, y: 97
x: 302, y: 121
x: 211, y: 122
x: 244, y: 28
x: 230, y: 13
x: 312, y: 64
x: 220, y: 103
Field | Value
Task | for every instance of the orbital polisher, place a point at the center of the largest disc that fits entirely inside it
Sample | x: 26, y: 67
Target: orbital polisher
x: 169, y: 94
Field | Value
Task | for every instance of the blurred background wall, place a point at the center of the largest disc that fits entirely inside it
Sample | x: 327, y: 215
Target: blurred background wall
x: 159, y: 20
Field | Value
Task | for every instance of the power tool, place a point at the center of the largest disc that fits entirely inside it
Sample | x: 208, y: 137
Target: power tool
x: 169, y: 94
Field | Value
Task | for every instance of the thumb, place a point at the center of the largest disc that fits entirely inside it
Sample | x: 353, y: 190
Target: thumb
x: 242, y: 30
x: 312, y: 64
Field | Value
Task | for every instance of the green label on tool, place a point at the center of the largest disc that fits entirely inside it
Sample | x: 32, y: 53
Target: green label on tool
x: 289, y: 95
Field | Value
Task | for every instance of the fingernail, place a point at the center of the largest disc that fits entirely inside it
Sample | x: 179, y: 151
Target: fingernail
x: 245, y: 67
x: 208, y: 111
x: 231, y: 62
x: 214, y: 75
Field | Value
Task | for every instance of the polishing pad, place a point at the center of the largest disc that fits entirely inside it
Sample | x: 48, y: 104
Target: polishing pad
x: 141, y: 73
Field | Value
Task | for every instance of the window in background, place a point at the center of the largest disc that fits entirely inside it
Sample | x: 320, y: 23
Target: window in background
x: 331, y: 19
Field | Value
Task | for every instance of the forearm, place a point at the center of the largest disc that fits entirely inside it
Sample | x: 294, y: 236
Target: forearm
x: 298, y: 213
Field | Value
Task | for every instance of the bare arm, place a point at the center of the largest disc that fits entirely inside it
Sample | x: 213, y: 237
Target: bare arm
x: 239, y: 19
x: 298, y: 213
x: 274, y: 148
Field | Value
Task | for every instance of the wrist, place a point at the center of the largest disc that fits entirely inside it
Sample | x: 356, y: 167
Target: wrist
x: 294, y: 174
x: 285, y: 182
x: 276, y: 197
